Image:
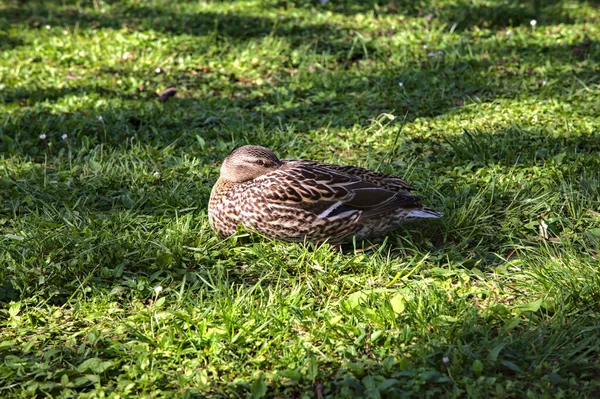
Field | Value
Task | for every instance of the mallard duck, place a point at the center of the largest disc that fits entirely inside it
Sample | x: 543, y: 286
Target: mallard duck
x: 297, y: 200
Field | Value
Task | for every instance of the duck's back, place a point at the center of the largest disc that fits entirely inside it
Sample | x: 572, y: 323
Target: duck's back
x: 382, y: 180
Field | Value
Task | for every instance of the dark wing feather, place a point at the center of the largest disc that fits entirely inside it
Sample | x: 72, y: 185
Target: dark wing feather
x: 382, y: 180
x: 376, y: 200
x: 316, y: 188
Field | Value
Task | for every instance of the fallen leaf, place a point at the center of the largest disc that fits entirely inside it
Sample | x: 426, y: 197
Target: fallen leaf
x: 170, y: 92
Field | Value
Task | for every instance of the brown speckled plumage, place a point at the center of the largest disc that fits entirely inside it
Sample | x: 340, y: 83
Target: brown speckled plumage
x: 294, y: 199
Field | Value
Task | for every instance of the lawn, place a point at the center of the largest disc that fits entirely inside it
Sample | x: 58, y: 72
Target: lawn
x: 113, y: 285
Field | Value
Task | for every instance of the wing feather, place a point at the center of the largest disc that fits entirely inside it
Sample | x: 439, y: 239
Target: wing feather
x: 393, y: 183
x: 326, y: 192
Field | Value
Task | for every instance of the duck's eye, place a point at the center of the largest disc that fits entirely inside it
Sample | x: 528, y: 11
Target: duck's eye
x: 259, y: 162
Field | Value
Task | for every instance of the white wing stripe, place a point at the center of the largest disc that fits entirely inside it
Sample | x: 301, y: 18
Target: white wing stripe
x: 328, y: 211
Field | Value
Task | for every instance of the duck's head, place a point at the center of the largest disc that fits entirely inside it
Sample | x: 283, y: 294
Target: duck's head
x: 247, y: 163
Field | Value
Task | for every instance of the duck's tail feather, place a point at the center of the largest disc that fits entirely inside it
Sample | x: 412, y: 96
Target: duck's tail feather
x: 424, y: 213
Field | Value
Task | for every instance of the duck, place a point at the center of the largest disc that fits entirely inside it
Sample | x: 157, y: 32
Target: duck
x: 301, y: 200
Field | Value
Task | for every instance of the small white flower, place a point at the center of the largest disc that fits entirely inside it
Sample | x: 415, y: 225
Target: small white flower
x: 425, y: 46
x: 48, y: 27
x: 400, y: 84
x: 431, y: 54
x: 440, y: 52
x: 127, y: 55
x: 158, y: 289
x: 156, y: 174
x: 82, y: 53
x: 391, y: 117
x: 100, y: 117
x: 43, y: 136
x: 508, y: 33
x: 446, y: 360
x: 64, y: 136
x: 157, y: 70
x: 544, y: 83
x: 533, y: 22
x: 180, y: 60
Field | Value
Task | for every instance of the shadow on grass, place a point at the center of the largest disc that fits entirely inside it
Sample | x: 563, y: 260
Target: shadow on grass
x: 462, y: 15
x: 216, y: 107
x: 114, y: 231
x: 182, y: 19
x: 218, y: 111
x: 334, y: 98
x: 554, y: 351
x: 169, y: 19
x: 9, y: 41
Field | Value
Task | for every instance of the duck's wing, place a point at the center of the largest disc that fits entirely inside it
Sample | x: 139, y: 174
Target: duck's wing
x: 327, y: 192
x: 382, y: 180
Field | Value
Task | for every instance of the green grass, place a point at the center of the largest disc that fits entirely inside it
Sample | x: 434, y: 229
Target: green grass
x: 500, y: 131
